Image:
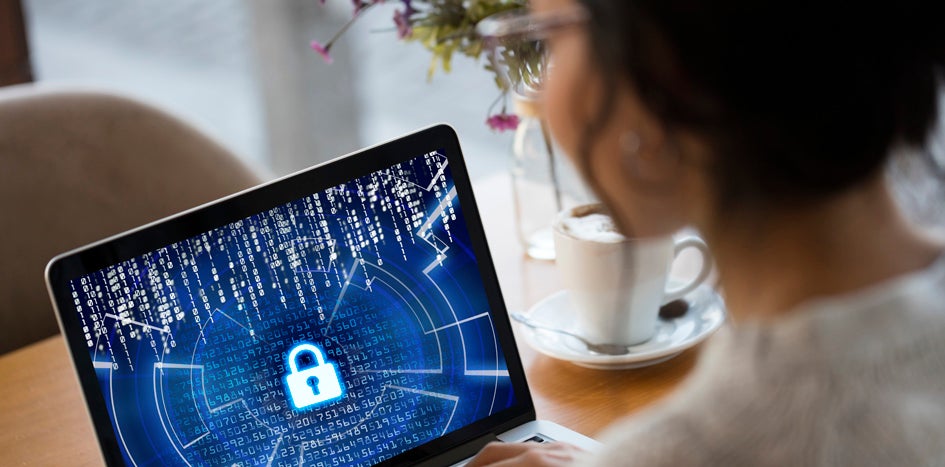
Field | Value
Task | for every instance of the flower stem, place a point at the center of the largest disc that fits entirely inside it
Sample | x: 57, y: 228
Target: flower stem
x: 347, y: 25
x: 549, y: 147
x: 495, y: 102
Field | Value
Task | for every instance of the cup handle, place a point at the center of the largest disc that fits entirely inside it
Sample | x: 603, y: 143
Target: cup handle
x: 680, y: 245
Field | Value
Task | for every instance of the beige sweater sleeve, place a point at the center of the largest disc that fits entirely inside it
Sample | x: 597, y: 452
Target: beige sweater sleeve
x: 857, y: 382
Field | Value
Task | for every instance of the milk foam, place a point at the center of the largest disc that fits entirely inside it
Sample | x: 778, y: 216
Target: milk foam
x: 594, y: 227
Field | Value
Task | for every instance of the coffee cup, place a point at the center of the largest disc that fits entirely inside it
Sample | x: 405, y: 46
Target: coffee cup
x: 617, y: 284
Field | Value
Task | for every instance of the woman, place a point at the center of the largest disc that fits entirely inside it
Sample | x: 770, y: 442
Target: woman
x: 767, y: 125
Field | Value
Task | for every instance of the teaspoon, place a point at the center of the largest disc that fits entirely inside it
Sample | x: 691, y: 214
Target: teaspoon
x: 668, y: 312
x: 603, y: 349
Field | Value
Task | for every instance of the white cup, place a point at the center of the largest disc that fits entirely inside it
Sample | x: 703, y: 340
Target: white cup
x: 616, y: 284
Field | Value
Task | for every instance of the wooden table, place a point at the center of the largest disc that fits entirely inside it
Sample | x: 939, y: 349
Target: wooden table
x: 43, y: 420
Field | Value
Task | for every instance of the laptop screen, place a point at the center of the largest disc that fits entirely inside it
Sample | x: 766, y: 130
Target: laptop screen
x: 341, y: 328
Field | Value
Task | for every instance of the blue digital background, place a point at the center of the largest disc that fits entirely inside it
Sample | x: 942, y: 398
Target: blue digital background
x: 190, y: 341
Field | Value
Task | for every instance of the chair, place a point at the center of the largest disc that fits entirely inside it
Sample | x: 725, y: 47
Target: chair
x: 78, y: 166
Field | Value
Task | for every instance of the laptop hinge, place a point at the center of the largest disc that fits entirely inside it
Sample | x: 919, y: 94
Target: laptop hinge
x: 463, y: 451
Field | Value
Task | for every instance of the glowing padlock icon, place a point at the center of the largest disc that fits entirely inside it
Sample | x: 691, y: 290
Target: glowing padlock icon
x: 313, y: 385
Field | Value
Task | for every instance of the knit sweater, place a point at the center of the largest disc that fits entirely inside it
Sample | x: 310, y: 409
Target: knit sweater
x: 857, y: 379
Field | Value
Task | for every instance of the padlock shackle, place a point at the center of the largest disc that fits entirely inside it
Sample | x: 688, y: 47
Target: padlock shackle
x: 304, y: 346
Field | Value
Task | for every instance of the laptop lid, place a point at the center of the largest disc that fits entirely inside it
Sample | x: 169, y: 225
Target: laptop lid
x: 348, y: 314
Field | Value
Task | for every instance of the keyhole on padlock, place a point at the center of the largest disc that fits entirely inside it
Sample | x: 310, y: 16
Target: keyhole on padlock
x: 312, y: 382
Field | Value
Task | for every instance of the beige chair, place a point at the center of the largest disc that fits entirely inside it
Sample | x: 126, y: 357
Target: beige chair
x: 76, y: 167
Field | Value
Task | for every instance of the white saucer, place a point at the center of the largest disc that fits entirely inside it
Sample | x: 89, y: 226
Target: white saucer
x: 706, y: 313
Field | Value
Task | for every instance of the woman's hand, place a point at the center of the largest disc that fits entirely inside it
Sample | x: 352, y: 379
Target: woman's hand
x: 525, y: 454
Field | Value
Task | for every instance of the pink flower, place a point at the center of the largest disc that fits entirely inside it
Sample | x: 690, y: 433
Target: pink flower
x: 322, y: 50
x: 402, y: 21
x: 503, y: 121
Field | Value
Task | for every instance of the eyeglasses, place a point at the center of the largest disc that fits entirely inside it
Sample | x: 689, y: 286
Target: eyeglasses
x: 515, y: 43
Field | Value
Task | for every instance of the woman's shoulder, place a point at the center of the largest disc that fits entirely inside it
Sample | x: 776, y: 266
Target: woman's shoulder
x: 883, y: 327
x: 852, y: 380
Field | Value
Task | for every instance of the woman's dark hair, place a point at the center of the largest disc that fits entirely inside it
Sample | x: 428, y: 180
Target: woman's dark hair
x: 798, y: 100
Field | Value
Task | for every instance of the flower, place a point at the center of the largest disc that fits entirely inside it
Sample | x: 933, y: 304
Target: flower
x: 322, y: 50
x: 447, y: 28
x: 402, y: 21
x: 503, y: 121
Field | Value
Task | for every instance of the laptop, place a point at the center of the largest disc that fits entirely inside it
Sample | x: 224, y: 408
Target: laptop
x: 345, y: 315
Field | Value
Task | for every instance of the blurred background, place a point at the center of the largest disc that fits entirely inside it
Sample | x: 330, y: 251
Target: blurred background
x: 243, y: 72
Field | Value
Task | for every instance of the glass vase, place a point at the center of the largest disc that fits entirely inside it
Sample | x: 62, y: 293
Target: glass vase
x: 544, y: 181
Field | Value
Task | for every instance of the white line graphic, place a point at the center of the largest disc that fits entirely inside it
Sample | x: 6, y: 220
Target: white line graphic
x: 162, y: 408
x: 165, y: 329
x: 196, y: 439
x: 437, y: 176
x: 494, y: 373
x: 433, y: 216
x: 480, y: 315
x: 183, y: 366
x: 111, y: 396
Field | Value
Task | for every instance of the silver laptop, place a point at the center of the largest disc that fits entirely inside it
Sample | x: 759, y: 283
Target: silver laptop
x: 346, y: 315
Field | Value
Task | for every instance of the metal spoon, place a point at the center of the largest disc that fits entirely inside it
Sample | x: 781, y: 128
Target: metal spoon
x: 603, y: 349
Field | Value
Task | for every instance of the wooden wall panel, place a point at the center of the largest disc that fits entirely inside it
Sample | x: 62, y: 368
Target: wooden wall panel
x: 15, y: 65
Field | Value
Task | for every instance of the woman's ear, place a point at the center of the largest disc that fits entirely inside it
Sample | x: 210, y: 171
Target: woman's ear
x: 646, y: 150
